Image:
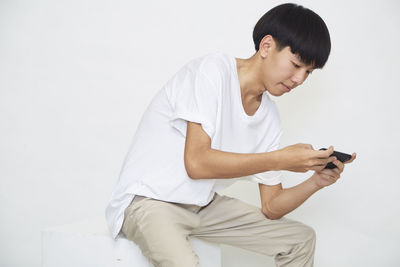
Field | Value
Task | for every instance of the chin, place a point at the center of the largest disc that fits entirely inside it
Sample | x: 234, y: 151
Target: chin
x: 276, y: 93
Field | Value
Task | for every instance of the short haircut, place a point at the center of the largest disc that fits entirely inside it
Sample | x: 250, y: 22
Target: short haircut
x: 299, y: 28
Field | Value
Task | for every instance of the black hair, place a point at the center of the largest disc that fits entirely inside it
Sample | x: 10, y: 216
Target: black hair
x: 299, y: 28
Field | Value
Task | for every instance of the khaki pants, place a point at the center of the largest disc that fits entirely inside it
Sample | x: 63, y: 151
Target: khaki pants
x: 161, y: 229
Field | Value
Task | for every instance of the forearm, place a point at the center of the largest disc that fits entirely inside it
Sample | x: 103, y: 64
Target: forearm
x: 289, y: 199
x: 219, y: 164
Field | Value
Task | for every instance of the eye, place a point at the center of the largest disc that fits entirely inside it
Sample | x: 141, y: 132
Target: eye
x: 295, y: 65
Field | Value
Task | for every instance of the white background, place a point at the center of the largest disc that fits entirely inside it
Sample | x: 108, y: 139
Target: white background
x: 76, y: 77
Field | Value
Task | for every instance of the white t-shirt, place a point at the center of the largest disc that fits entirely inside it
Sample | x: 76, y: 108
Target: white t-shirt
x: 206, y: 91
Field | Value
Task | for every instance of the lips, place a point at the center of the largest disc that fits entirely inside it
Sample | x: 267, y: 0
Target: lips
x: 286, y: 88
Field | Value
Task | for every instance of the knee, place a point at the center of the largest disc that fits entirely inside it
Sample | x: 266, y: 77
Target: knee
x: 303, y: 234
x: 306, y: 243
x: 308, y: 233
x: 305, y: 240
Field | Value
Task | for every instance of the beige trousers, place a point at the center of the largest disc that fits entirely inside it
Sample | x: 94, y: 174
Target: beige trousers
x: 161, y: 230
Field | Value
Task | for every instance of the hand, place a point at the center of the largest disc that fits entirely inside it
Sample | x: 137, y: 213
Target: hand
x: 302, y: 158
x: 327, y: 177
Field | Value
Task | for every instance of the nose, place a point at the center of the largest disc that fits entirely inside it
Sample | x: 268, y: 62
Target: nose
x: 299, y: 77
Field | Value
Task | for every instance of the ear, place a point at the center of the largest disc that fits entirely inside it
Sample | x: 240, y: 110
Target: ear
x: 266, y: 45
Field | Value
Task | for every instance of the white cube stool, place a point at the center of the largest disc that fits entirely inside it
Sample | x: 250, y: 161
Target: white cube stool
x: 89, y: 243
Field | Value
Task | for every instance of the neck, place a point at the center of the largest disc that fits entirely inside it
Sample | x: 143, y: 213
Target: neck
x: 250, y: 85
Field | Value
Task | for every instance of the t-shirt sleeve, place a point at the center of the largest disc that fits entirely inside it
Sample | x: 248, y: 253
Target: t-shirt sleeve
x: 270, y: 177
x: 194, y: 97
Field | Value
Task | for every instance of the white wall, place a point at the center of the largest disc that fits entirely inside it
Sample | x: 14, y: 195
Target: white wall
x: 76, y: 76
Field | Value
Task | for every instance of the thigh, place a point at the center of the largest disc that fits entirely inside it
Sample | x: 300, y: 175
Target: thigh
x: 161, y: 229
x: 231, y: 221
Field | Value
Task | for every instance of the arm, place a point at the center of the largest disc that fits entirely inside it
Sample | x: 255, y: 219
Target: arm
x: 203, y: 162
x: 276, y: 202
x: 219, y: 164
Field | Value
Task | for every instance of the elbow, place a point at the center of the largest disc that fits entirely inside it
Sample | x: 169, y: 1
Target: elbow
x: 193, y: 175
x: 271, y: 215
x: 196, y: 166
x: 192, y: 169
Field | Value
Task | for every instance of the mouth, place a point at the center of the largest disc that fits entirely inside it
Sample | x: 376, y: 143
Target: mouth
x: 286, y: 88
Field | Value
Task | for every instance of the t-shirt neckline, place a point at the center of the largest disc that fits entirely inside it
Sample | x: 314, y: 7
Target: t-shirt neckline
x: 239, y: 97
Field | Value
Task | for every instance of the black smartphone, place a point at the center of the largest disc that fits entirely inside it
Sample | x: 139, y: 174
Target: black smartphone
x: 343, y: 157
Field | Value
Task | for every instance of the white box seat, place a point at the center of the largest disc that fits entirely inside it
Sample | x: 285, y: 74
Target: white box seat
x: 89, y: 243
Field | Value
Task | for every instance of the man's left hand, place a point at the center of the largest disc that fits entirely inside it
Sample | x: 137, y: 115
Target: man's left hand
x: 327, y: 177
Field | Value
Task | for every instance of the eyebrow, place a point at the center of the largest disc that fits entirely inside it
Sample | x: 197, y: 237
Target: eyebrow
x: 299, y: 59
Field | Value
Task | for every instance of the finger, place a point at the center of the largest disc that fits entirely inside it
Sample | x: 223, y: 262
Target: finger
x: 328, y: 172
x: 318, y: 168
x: 353, y: 157
x: 322, y: 169
x: 329, y: 178
x: 337, y: 171
x: 332, y: 173
x: 334, y: 180
x: 339, y: 164
x: 331, y: 159
x: 320, y: 164
x: 325, y: 153
x: 325, y: 161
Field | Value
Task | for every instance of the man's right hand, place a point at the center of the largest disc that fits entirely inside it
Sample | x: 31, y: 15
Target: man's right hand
x: 303, y: 158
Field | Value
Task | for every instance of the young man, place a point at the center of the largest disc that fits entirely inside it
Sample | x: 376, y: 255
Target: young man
x: 212, y: 124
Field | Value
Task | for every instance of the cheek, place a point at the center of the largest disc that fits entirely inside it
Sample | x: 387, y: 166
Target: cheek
x: 278, y: 76
x: 281, y: 70
x: 284, y: 71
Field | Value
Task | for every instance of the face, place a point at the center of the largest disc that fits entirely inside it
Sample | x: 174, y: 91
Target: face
x: 282, y: 70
